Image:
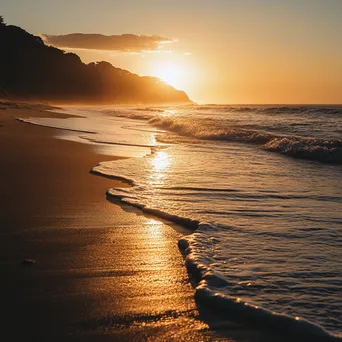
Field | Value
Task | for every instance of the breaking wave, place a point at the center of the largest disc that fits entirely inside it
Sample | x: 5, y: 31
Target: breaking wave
x: 327, y: 151
x: 211, y: 128
x: 302, y: 110
x: 335, y: 110
x: 313, y: 149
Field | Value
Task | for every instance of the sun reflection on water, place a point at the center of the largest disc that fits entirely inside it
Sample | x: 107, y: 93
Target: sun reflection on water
x: 154, y: 228
x: 160, y: 161
x: 160, y: 166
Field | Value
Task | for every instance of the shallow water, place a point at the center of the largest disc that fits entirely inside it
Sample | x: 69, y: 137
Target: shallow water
x: 268, y: 226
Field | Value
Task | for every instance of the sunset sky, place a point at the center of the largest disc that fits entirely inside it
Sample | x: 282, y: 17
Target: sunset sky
x: 218, y: 51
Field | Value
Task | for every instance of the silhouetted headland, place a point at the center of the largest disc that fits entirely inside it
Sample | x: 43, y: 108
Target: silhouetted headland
x: 31, y: 70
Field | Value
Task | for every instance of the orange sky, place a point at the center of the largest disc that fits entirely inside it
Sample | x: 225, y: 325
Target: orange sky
x: 223, y: 51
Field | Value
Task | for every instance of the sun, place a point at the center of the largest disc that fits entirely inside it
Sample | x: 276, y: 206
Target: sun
x: 170, y: 72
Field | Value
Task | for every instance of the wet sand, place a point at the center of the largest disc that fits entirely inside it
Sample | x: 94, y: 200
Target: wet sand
x: 99, y: 272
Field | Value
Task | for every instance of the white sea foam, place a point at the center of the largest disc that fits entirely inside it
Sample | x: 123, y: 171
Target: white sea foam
x: 209, y: 292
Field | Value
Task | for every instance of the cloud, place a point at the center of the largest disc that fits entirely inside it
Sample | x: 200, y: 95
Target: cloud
x: 123, y: 42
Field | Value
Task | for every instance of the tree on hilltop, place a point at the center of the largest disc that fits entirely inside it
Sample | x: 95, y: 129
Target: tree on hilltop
x: 2, y: 20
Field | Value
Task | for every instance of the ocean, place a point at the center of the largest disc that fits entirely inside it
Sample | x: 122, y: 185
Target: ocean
x: 260, y: 188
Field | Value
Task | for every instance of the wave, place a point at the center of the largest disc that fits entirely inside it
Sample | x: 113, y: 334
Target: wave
x: 208, y: 130
x: 150, y: 109
x: 206, y: 293
x: 313, y: 149
x: 188, y: 129
x: 208, y: 282
x: 125, y: 198
x: 102, y: 169
x: 330, y: 110
x: 139, y: 115
x: 327, y: 151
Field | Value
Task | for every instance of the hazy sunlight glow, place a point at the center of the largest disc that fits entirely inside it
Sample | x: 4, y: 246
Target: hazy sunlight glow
x: 170, y: 72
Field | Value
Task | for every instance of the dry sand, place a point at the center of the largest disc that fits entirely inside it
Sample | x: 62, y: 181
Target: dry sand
x: 100, y: 272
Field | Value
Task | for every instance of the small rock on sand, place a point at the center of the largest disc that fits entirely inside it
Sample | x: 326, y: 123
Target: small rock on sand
x: 28, y: 262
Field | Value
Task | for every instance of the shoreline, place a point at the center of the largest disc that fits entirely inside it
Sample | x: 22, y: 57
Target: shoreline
x: 98, y: 271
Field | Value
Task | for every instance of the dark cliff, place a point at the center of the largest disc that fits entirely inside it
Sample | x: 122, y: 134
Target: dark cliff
x: 30, y: 70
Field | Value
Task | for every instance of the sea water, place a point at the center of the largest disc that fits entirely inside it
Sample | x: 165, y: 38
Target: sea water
x: 260, y: 186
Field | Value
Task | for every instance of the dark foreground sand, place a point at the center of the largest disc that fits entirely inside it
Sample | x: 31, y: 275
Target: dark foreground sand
x: 101, y: 272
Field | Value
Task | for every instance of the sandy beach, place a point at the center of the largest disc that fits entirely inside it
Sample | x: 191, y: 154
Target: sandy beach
x: 100, y: 272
